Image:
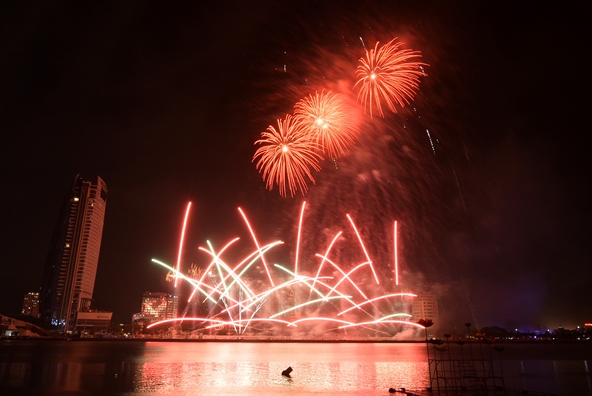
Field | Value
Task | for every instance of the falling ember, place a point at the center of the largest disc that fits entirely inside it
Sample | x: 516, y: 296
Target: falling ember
x: 336, y: 298
x: 181, y: 242
x: 286, y: 156
x: 325, y: 116
x: 388, y: 75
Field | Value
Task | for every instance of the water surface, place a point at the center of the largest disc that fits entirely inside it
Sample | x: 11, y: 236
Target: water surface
x: 247, y: 368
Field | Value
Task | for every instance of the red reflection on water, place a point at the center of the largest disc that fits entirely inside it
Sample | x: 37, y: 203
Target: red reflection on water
x: 255, y: 368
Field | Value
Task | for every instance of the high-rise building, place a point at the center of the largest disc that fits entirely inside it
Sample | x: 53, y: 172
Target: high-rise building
x: 71, y: 265
x: 424, y: 306
x: 31, y: 305
x: 159, y: 306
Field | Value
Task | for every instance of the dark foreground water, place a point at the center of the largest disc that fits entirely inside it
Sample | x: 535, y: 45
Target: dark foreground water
x: 244, y: 368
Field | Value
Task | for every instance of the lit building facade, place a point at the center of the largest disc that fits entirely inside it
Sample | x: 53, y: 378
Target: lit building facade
x: 93, y: 321
x: 159, y: 306
x: 73, y: 257
x: 31, y: 305
x: 424, y: 306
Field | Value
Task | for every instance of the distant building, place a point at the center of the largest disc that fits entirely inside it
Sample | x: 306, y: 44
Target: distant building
x: 140, y: 322
x: 424, y: 306
x: 73, y: 257
x: 93, y: 321
x: 158, y: 306
x: 31, y: 305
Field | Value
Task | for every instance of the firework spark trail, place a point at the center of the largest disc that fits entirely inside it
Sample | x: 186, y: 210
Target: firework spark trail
x: 222, y: 265
x: 396, y: 255
x: 381, y: 322
x: 376, y: 299
x: 196, y: 284
x: 298, y: 238
x: 298, y: 280
x: 363, y: 248
x: 263, y: 250
x: 210, y: 266
x: 316, y: 279
x: 305, y: 279
x: 232, y: 273
x: 392, y: 316
x: 182, y: 237
x: 218, y: 322
x: 227, y: 282
x: 431, y: 142
x: 326, y: 254
x: 307, y: 303
x: 326, y: 118
x: 286, y: 156
x: 345, y: 276
x: 257, y: 244
x: 388, y: 74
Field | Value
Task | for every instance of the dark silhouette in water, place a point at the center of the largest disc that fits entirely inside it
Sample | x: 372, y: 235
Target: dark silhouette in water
x: 286, y: 372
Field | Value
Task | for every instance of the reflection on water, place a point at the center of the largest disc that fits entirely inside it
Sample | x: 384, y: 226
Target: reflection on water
x: 220, y: 368
x: 256, y: 368
x: 115, y: 367
x: 265, y: 378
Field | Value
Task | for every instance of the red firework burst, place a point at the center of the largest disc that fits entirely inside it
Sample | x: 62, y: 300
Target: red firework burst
x: 388, y: 74
x: 325, y: 117
x: 286, y: 156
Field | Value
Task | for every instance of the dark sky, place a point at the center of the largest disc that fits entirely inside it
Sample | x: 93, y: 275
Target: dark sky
x: 165, y: 101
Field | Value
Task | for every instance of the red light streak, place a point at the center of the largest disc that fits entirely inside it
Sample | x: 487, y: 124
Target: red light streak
x: 326, y: 254
x: 211, y: 264
x: 346, y: 276
x: 363, y: 248
x: 376, y: 299
x: 396, y: 256
x: 257, y: 244
x: 298, y: 238
x: 232, y: 291
x: 383, y: 321
x: 181, y: 243
x: 307, y: 303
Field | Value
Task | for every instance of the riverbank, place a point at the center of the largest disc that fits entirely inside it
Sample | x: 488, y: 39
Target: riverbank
x: 280, y: 339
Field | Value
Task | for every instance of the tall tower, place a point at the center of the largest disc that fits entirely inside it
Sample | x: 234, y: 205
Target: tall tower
x: 71, y: 265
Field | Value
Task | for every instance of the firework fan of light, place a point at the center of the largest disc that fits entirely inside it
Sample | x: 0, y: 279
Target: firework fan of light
x: 333, y: 297
x: 387, y: 75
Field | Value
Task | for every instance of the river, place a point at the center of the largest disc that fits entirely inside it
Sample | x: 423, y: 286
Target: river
x: 31, y: 367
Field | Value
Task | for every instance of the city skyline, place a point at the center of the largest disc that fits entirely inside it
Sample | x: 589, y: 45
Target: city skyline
x: 485, y: 170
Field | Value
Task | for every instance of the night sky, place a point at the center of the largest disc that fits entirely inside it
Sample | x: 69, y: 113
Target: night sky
x: 487, y: 170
